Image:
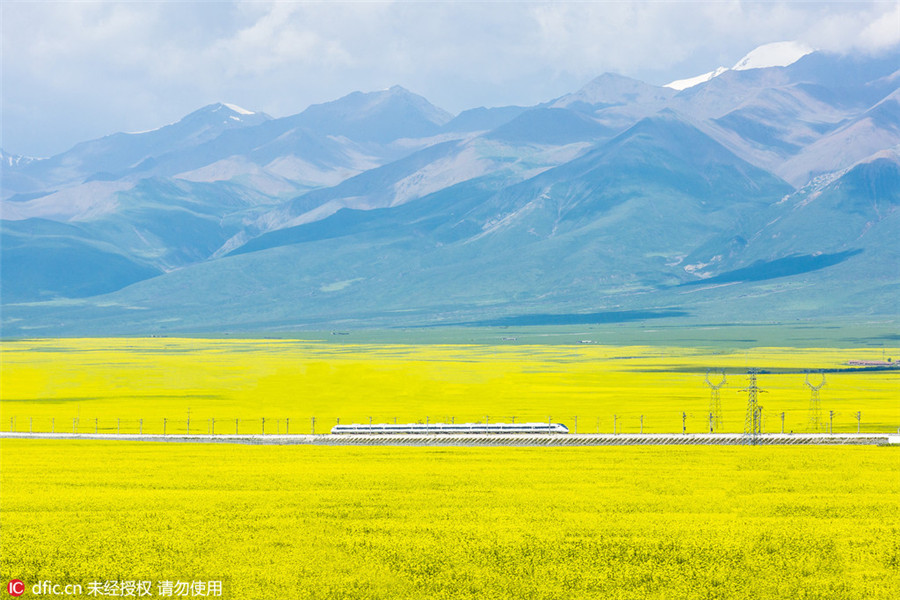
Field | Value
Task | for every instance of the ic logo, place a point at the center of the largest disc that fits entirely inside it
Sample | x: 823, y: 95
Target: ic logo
x: 15, y: 587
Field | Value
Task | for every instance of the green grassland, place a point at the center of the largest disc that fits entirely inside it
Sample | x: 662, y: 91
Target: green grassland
x: 879, y: 334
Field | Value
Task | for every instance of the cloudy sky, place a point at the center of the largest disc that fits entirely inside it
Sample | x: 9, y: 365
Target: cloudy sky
x: 78, y: 70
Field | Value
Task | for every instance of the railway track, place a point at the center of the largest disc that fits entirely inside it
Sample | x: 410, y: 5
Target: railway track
x: 647, y: 439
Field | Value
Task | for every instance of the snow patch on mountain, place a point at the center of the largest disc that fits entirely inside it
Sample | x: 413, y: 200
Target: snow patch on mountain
x: 15, y: 160
x: 211, y: 110
x: 238, y: 109
x: 777, y: 54
x: 697, y: 268
x: 683, y: 84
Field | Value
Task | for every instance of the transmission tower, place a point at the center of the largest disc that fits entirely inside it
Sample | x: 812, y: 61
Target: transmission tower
x: 815, y: 409
x: 715, y: 405
x: 753, y: 419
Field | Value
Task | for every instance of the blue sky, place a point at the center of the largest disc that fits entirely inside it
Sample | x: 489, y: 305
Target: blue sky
x: 73, y: 71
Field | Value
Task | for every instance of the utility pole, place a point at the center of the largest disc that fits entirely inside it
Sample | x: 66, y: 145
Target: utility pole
x: 830, y: 421
x: 313, y: 422
x: 858, y: 418
x: 684, y: 423
x: 615, y: 424
x: 782, y: 422
x: 576, y: 424
x: 642, y: 423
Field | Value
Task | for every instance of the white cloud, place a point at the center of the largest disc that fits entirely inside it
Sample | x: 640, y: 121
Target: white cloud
x: 281, y: 37
x: 883, y: 32
x: 77, y: 70
x: 868, y: 28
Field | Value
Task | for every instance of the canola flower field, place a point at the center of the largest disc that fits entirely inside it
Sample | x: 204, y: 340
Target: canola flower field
x: 394, y: 523
x: 229, y: 386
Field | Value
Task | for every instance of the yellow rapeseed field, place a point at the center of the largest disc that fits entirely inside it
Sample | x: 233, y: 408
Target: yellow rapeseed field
x: 293, y: 522
x: 232, y: 385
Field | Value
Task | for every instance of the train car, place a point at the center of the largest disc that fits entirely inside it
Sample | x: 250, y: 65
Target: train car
x: 449, y: 428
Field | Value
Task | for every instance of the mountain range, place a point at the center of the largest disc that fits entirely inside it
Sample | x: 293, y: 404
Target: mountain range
x: 765, y: 192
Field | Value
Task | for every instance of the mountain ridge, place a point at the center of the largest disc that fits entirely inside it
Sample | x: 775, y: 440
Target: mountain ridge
x: 778, y: 182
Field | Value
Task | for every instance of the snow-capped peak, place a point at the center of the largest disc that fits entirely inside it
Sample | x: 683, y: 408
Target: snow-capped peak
x: 778, y: 54
x: 238, y: 109
x: 683, y: 84
x: 15, y: 160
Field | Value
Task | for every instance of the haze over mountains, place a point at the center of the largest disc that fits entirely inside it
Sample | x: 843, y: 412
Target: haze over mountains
x: 761, y: 193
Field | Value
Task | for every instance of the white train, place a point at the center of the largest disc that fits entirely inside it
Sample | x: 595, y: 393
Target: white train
x: 449, y: 428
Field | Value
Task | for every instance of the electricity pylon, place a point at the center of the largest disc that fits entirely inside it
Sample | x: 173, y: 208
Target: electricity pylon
x: 815, y: 408
x: 715, y: 405
x: 753, y: 419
